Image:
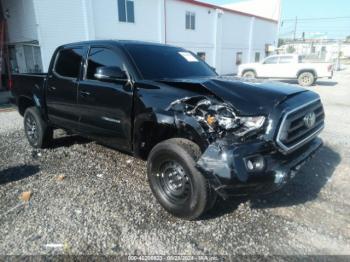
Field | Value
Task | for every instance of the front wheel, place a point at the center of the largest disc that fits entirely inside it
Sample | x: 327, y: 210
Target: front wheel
x: 38, y: 134
x: 306, y: 79
x: 176, y: 183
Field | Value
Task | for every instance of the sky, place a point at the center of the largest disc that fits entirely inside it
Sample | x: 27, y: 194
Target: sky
x: 317, y: 18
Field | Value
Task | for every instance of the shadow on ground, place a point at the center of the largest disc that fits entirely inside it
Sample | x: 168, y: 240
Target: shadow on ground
x: 17, y: 173
x: 306, y: 185
x: 303, y: 188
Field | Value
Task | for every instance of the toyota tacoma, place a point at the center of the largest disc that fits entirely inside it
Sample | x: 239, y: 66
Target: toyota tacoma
x: 204, y: 136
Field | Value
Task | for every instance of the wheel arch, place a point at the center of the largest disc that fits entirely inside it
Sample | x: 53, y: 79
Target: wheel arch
x: 24, y: 102
x: 151, y: 129
x: 307, y: 70
x: 249, y: 69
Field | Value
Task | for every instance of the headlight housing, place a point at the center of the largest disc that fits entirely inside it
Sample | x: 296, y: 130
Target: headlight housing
x: 250, y: 123
x: 223, y: 117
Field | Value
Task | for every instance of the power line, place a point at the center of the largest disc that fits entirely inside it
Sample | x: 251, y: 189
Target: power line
x: 315, y: 18
x: 303, y: 26
x: 319, y: 22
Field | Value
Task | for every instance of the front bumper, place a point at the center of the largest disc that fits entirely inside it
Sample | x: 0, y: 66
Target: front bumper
x: 225, y: 167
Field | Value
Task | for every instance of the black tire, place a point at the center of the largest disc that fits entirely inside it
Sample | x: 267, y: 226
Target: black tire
x: 249, y: 74
x: 306, y: 79
x: 190, y: 196
x: 38, y: 133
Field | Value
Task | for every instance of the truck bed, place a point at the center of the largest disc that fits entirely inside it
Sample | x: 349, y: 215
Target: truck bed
x: 25, y: 85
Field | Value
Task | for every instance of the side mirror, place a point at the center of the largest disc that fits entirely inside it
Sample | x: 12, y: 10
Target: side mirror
x: 110, y: 74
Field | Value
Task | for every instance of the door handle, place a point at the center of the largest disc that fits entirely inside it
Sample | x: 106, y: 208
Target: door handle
x: 52, y: 88
x: 85, y: 93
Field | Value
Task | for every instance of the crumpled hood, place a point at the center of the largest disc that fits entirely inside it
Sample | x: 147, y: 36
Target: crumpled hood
x: 248, y: 97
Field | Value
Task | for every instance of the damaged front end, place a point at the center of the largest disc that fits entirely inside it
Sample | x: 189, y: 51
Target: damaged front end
x: 217, y: 119
x: 238, y: 158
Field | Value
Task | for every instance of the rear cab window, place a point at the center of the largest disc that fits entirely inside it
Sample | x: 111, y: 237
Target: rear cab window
x: 68, y: 62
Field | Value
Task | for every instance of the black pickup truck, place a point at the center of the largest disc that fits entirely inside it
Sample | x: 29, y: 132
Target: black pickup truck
x: 203, y: 135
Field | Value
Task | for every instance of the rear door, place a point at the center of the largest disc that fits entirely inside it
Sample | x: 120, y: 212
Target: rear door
x: 106, y: 107
x: 62, y: 88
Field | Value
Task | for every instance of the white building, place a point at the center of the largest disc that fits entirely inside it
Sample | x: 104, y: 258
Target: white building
x: 223, y: 36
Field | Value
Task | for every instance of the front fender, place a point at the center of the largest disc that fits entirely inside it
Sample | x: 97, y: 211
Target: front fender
x: 150, y: 128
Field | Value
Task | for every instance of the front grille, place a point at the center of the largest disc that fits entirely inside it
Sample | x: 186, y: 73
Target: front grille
x: 294, y: 132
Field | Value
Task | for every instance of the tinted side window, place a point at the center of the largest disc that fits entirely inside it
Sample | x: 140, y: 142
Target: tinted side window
x: 99, y: 57
x: 68, y: 62
x: 271, y: 60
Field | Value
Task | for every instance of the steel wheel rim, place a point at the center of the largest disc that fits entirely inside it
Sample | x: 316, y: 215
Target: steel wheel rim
x: 248, y: 75
x: 31, y: 128
x: 306, y: 79
x: 174, y: 182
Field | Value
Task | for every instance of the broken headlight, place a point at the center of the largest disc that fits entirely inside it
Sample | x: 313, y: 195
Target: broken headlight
x: 218, y: 118
x: 224, y: 117
x: 241, y: 125
x: 250, y: 124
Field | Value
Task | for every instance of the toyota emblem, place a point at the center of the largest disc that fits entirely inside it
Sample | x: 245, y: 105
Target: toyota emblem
x: 310, y: 120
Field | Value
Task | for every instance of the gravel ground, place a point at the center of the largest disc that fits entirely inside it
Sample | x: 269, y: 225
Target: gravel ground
x: 88, y: 199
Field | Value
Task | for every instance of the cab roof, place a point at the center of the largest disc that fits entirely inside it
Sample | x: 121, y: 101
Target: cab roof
x: 112, y: 42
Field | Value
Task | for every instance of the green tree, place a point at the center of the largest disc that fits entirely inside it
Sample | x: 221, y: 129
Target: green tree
x: 281, y: 42
x: 290, y: 49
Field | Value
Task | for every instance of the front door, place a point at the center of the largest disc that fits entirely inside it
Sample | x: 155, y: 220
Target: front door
x: 106, y: 107
x: 285, y: 67
x: 269, y: 67
x: 62, y: 87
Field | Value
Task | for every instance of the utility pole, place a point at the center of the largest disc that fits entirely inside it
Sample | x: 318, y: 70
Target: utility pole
x: 338, y: 57
x: 295, y: 27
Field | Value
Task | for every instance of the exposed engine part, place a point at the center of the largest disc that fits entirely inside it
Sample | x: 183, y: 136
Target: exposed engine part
x: 216, y: 117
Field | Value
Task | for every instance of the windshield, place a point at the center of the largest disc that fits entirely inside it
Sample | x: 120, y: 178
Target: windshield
x: 157, y: 62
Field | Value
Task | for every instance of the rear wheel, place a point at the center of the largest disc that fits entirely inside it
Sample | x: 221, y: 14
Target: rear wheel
x: 249, y: 74
x: 39, y: 135
x: 176, y: 183
x: 306, y: 79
